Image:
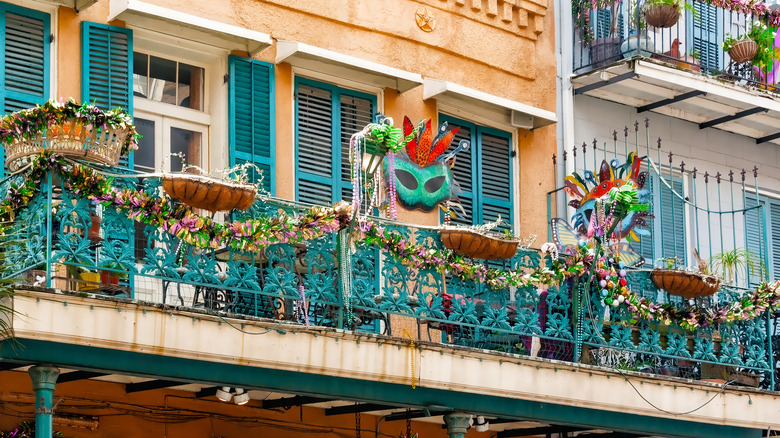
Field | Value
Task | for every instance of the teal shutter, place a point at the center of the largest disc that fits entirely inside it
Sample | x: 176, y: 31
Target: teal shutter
x: 704, y: 25
x: 107, y: 69
x: 483, y: 174
x: 646, y: 244
x: 107, y: 60
x: 252, y: 117
x: 672, y: 221
x: 25, y: 66
x: 495, y: 177
x: 756, y: 238
x: 326, y: 116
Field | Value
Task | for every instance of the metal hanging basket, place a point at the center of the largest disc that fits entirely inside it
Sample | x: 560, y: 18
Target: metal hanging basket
x: 743, y: 51
x: 208, y: 193
x: 685, y: 284
x: 71, y: 139
x: 662, y: 16
x: 478, y: 246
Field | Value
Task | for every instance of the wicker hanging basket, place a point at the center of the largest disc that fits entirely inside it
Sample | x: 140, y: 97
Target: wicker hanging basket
x: 662, y: 16
x: 71, y: 139
x: 208, y: 193
x: 478, y: 246
x: 743, y: 51
x: 685, y: 284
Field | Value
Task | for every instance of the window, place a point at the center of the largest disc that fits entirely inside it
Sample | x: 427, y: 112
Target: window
x: 762, y: 234
x: 667, y: 238
x: 326, y: 116
x: 484, y: 174
x: 174, y: 129
x: 25, y: 66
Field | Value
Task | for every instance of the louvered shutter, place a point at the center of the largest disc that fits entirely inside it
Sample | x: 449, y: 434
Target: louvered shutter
x: 672, y: 221
x: 495, y: 179
x: 755, y: 241
x: 773, y: 227
x: 464, y: 176
x: 25, y: 67
x: 315, y: 150
x: 251, y: 118
x: 705, y: 28
x: 326, y: 118
x: 756, y: 238
x: 355, y: 114
x: 107, y: 68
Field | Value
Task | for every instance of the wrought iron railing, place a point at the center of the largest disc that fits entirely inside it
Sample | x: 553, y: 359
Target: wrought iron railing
x: 618, y: 30
x: 305, y: 284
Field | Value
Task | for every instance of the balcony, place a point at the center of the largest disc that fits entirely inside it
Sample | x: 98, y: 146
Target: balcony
x: 389, y: 279
x: 681, y: 70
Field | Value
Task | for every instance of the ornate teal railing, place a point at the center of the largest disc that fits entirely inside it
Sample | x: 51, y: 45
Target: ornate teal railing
x: 305, y: 284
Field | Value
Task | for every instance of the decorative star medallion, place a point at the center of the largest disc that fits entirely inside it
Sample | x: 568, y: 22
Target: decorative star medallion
x: 425, y: 20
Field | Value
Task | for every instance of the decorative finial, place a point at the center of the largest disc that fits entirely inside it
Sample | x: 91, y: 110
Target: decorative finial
x: 625, y: 131
x: 647, y: 122
x: 731, y: 176
x: 743, y: 175
x: 670, y: 157
x: 595, y: 144
x: 755, y: 171
x: 614, y: 135
x: 659, y: 142
x: 682, y: 166
x: 694, y: 172
x: 574, y: 150
x: 555, y: 160
x: 584, y: 151
x: 706, y: 177
x: 636, y: 125
x: 564, y: 155
x: 717, y: 177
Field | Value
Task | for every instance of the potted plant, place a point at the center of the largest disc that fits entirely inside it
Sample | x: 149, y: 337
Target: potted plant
x: 738, y: 260
x: 675, y: 279
x: 664, y: 13
x: 112, y: 273
x: 79, y: 131
x: 604, y: 46
x: 479, y: 243
x: 756, y: 45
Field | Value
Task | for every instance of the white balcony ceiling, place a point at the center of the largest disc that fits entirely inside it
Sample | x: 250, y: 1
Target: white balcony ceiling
x: 721, y: 105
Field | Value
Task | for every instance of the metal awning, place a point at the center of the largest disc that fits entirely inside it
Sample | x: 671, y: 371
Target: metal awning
x: 345, y: 66
x: 517, y: 114
x: 700, y: 99
x: 191, y: 27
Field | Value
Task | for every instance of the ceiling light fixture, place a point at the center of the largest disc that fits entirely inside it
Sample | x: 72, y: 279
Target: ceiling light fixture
x: 241, y: 397
x: 224, y: 394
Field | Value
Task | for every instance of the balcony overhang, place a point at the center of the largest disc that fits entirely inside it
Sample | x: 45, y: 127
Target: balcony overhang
x: 699, y: 99
x: 191, y: 27
x: 517, y: 114
x: 345, y: 66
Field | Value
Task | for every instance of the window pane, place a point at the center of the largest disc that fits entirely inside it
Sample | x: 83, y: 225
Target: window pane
x: 140, y: 74
x: 144, y: 156
x: 187, y: 143
x: 190, y: 87
x: 162, y: 84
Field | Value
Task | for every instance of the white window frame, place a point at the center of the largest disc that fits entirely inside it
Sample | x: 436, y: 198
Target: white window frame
x: 162, y: 135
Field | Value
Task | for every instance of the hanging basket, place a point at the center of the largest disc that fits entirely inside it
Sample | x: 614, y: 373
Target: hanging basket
x: 478, y: 246
x: 208, y: 193
x: 662, y: 16
x: 70, y: 139
x: 743, y: 51
x: 685, y: 284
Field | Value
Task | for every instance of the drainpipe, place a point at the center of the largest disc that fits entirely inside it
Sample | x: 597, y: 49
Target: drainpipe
x: 457, y: 424
x: 44, y: 379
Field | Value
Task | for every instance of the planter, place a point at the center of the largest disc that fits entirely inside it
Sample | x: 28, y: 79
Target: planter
x: 478, y: 246
x: 745, y: 379
x: 743, y: 51
x: 689, y: 63
x: 209, y: 193
x: 604, y: 51
x: 685, y: 284
x: 89, y: 281
x: 662, y: 16
x: 109, y: 278
x: 70, y: 139
x: 637, y: 45
x: 94, y: 228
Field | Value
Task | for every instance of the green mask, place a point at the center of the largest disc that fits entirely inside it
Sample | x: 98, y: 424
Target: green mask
x: 421, y: 187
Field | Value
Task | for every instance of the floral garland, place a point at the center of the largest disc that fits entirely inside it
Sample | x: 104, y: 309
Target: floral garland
x: 23, y: 124
x: 254, y: 234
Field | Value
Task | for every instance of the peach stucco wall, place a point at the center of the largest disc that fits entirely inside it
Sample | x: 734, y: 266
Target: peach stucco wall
x: 501, y: 47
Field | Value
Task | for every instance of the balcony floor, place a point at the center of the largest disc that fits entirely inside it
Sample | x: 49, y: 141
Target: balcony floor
x: 649, y: 85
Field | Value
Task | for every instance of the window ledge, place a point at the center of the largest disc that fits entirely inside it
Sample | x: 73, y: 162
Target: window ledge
x: 191, y: 27
x: 517, y: 114
x: 345, y: 66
